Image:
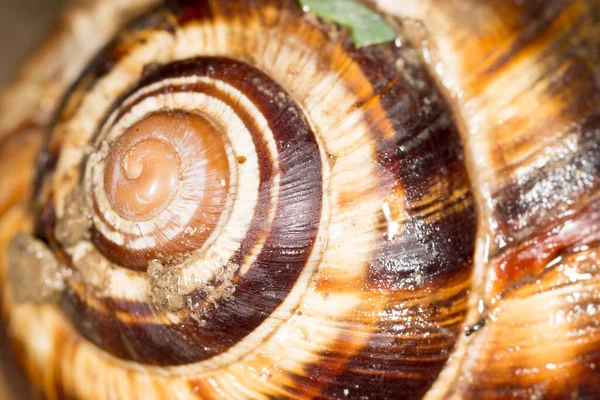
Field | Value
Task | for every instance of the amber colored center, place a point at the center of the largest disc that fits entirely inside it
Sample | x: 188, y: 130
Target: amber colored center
x: 145, y: 167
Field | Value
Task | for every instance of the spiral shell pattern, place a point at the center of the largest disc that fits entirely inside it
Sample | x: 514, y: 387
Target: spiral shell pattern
x: 305, y: 211
x: 243, y: 204
x: 164, y: 178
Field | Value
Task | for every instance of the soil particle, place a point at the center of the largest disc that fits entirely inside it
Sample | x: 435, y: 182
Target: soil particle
x: 75, y: 224
x: 33, y: 270
x: 164, y: 286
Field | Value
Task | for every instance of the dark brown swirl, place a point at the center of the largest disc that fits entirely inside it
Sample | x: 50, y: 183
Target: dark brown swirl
x: 286, y: 242
x: 262, y: 210
x: 330, y: 202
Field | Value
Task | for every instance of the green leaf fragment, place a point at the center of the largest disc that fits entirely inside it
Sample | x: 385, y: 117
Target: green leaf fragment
x: 366, y: 26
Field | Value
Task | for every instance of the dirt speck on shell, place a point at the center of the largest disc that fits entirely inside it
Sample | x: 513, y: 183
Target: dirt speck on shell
x: 93, y: 271
x: 164, y: 286
x: 171, y: 293
x: 74, y: 226
x: 33, y: 270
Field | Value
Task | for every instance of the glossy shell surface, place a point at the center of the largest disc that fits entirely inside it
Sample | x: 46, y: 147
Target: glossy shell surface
x: 233, y: 201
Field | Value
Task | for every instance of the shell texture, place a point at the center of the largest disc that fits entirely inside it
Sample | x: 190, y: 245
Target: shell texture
x: 229, y: 199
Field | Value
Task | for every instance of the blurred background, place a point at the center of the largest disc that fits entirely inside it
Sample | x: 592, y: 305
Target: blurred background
x: 22, y: 24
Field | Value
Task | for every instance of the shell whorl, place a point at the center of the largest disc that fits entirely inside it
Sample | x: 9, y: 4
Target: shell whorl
x: 336, y: 215
x: 262, y: 234
x: 243, y: 204
x: 160, y: 187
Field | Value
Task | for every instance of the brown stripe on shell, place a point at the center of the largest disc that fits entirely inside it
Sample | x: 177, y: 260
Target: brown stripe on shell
x: 533, y: 22
x: 523, y: 78
x: 424, y: 159
x: 515, y: 375
x: 401, y: 356
x: 410, y: 335
x: 274, y: 272
x: 572, y: 174
x: 522, y: 262
x: 554, y: 190
x: 390, y: 92
x: 150, y: 343
x: 423, y: 205
x: 138, y: 260
x: 543, y: 339
x: 97, y: 68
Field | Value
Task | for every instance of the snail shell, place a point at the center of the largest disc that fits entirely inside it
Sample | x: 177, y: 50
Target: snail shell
x: 234, y: 201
